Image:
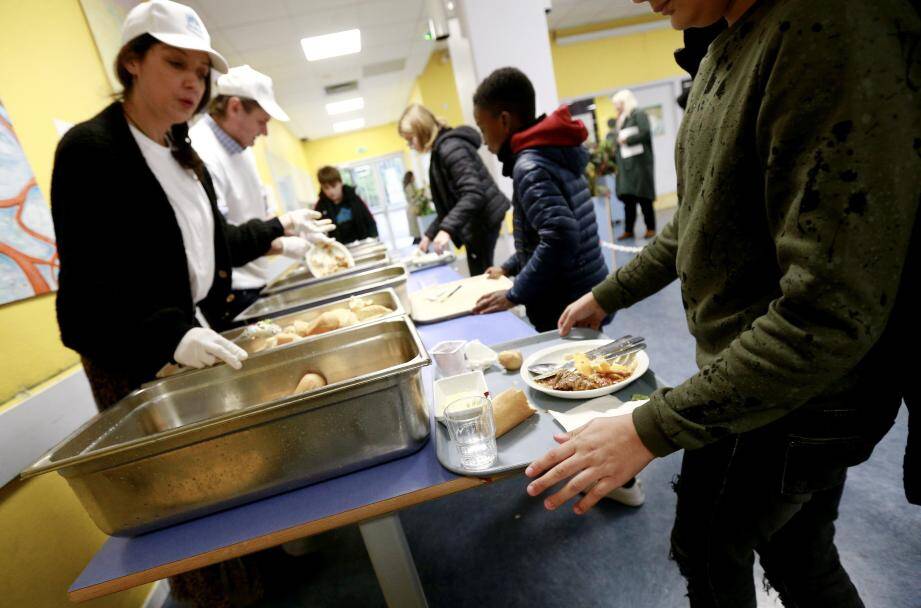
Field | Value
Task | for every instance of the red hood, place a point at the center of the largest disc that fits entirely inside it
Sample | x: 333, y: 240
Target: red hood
x: 557, y: 129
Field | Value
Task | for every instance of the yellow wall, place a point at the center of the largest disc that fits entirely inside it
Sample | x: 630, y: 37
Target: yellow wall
x: 595, y: 66
x: 283, y: 144
x: 45, y: 51
x: 437, y: 90
x: 49, y: 69
x: 354, y: 146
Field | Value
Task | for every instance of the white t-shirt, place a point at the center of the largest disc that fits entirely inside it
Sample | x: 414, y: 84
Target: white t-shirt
x: 190, y: 203
x: 240, y: 194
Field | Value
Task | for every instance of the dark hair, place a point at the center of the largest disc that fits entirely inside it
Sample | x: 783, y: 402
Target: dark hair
x: 507, y: 90
x: 218, y: 106
x: 327, y: 176
x: 180, y: 144
x: 407, y: 178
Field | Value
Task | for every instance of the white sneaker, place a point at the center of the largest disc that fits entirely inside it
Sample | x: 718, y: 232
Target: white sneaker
x: 632, y: 496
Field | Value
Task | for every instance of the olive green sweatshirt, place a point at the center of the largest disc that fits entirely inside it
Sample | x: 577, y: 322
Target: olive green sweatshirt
x: 799, y: 178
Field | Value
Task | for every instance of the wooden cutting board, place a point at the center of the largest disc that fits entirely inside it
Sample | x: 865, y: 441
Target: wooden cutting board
x: 456, y: 299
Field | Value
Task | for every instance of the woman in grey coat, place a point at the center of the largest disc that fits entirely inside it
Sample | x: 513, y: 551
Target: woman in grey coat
x: 636, y: 184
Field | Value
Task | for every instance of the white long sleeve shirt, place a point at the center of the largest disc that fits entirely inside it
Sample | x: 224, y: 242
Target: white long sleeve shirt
x: 241, y: 196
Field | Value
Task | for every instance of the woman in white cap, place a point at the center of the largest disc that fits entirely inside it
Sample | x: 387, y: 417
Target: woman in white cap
x: 139, y: 237
x: 240, y: 113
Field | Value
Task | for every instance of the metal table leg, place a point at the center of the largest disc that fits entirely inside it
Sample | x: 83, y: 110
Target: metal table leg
x: 393, y: 562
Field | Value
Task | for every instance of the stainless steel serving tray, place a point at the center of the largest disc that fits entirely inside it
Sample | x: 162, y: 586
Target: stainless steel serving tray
x: 308, y: 296
x: 384, y: 297
x: 195, y: 444
x: 299, y: 275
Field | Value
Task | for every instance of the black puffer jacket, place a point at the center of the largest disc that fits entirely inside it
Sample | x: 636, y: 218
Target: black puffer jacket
x: 557, y: 248
x: 467, y: 200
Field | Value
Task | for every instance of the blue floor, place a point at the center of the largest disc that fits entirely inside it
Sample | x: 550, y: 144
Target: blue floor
x: 495, y: 546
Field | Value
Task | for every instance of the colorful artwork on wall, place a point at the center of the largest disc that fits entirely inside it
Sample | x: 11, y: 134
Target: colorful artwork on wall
x: 28, y: 256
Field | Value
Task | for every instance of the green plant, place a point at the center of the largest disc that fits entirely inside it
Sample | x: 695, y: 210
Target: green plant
x: 421, y: 202
x: 601, y: 162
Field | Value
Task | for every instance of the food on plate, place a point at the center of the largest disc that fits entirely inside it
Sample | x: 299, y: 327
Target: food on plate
x: 588, y: 374
x: 325, y: 259
x: 510, y: 360
x: 309, y: 382
x: 510, y: 408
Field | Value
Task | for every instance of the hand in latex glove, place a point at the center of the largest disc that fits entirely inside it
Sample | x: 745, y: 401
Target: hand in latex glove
x: 293, y: 247
x: 424, y: 244
x: 305, y: 220
x: 202, y: 347
x: 317, y: 237
x: 442, y: 242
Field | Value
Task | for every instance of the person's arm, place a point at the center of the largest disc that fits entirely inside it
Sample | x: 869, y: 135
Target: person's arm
x: 368, y: 217
x: 433, y: 228
x: 463, y: 166
x: 650, y: 271
x: 841, y: 204
x: 545, y: 209
x: 511, y: 266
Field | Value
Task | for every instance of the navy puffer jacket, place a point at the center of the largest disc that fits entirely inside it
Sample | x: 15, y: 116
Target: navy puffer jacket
x: 557, y: 248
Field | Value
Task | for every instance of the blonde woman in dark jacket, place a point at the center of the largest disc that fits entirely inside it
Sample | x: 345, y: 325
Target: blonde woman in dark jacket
x: 469, y: 206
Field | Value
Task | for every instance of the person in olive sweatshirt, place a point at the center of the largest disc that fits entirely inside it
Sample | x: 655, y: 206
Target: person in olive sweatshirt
x: 798, y: 163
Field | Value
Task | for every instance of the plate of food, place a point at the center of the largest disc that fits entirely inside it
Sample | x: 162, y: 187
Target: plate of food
x: 589, y: 378
x: 325, y: 259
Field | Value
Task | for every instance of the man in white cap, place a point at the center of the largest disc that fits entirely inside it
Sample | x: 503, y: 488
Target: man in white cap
x: 240, y: 113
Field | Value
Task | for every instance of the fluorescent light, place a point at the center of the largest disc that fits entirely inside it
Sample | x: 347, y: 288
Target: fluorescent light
x: 346, y: 105
x: 348, y: 125
x: 332, y: 45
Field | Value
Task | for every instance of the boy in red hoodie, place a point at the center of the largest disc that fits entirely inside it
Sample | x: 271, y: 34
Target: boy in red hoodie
x: 557, y: 248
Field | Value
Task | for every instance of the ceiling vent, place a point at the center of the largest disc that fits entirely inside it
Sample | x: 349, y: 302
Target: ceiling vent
x: 341, y: 87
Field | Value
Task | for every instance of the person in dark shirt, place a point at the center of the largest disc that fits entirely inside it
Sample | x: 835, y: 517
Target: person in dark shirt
x: 341, y: 204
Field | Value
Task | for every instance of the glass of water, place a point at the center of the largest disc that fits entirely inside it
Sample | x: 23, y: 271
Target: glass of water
x: 473, y: 430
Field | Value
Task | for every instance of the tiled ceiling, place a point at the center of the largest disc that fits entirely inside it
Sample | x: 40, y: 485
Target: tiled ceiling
x: 266, y: 34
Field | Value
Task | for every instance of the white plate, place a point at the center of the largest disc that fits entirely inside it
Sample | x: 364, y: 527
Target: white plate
x: 557, y: 355
x: 314, y: 269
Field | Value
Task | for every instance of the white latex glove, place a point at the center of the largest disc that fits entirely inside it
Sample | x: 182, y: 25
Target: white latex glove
x: 305, y: 220
x: 293, y: 247
x: 442, y: 242
x: 202, y: 347
x: 317, y: 238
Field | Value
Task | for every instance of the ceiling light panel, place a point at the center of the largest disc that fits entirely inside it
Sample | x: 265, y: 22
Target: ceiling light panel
x: 332, y: 45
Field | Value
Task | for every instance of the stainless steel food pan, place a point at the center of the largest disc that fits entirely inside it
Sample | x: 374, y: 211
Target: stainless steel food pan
x: 384, y: 297
x: 192, y: 445
x: 300, y: 275
x: 308, y: 296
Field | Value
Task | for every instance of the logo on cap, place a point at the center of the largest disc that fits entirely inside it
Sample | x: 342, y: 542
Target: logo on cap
x: 193, y: 25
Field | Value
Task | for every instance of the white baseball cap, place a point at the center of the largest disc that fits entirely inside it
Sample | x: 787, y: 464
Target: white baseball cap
x: 173, y: 24
x: 244, y: 81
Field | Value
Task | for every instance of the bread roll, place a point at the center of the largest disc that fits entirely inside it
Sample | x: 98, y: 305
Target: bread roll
x: 285, y: 338
x: 510, y: 408
x: 510, y: 360
x: 344, y: 316
x: 302, y: 328
x: 309, y: 382
x: 372, y: 312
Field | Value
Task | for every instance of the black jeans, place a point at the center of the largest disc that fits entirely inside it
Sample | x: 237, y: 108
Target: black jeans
x: 649, y: 214
x: 481, y: 250
x: 734, y: 499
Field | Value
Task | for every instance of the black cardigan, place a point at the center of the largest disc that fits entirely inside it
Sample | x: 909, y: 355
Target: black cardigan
x: 124, y: 299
